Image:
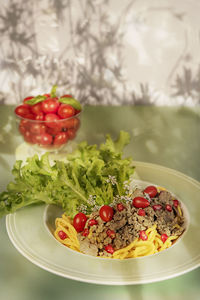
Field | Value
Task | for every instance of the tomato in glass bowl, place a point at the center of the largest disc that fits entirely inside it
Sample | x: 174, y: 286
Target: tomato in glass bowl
x: 48, y: 122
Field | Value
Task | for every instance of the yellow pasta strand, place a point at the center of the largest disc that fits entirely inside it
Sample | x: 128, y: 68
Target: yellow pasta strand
x: 137, y: 248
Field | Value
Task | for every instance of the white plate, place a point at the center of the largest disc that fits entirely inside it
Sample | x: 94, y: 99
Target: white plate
x: 27, y: 231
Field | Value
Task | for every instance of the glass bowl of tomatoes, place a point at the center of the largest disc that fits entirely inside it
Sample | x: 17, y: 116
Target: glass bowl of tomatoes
x: 48, y: 122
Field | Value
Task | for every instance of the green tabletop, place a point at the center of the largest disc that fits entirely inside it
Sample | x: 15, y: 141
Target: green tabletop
x: 169, y: 136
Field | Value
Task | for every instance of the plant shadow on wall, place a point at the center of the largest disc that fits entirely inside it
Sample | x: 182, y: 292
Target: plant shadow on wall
x: 95, y: 41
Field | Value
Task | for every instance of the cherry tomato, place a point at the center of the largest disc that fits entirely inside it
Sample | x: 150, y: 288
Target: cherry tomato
x: 151, y: 191
x: 25, y: 123
x: 141, y: 212
x: 120, y: 207
x: 66, y: 111
x: 143, y: 235
x: 72, y: 123
x: 168, y: 207
x: 157, y: 206
x: 40, y: 116
x: 85, y: 232
x: 27, y: 98
x: 36, y: 108
x: 60, y: 138
x: 50, y: 105
x: 106, y: 213
x: 109, y: 249
x: 52, y: 120
x: 66, y: 96
x: 79, y: 221
x: 164, y: 237
x: 140, y: 202
x: 111, y: 233
x: 62, y: 235
x: 92, y: 222
x: 37, y: 128
x: 22, y: 110
x: 28, y: 137
x: 53, y: 131
x: 46, y: 139
x: 47, y: 95
x: 71, y: 134
x: 22, y: 129
x: 30, y: 116
x: 36, y: 139
x: 176, y: 202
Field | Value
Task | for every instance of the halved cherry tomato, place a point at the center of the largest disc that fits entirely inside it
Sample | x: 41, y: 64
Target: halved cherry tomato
x: 106, y: 213
x: 79, y: 221
x: 140, y: 202
x: 28, y: 137
x: 30, y: 116
x: 151, y: 191
x: 66, y: 111
x: 85, y: 232
x: 71, y: 133
x: 72, y: 123
x: 40, y: 116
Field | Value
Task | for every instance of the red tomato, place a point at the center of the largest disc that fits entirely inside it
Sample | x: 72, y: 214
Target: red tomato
x: 92, y: 222
x: 62, y: 235
x: 37, y: 128
x: 79, y: 221
x: 50, y: 105
x: 143, y: 235
x: 140, y: 202
x: 164, y: 237
x: 71, y: 133
x: 71, y: 123
x: 22, y: 110
x: 109, y: 249
x: 66, y: 96
x: 168, y: 207
x: 22, y: 129
x: 53, y: 131
x: 30, y: 116
x: 25, y: 123
x: 36, y: 139
x: 52, y: 120
x: 46, y: 139
x: 106, y: 213
x: 47, y: 95
x: 27, y: 98
x: 40, y: 116
x: 66, y: 111
x: 85, y: 232
x: 60, y: 138
x: 176, y: 202
x: 120, y: 207
x: 111, y: 233
x: 28, y: 137
x: 36, y: 108
x: 141, y: 212
x: 157, y: 206
x: 151, y: 191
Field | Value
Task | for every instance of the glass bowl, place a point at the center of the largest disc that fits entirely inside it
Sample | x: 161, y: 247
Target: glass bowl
x: 48, y: 135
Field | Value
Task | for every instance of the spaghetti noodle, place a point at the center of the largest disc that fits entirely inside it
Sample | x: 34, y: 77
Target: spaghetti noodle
x: 137, y: 248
